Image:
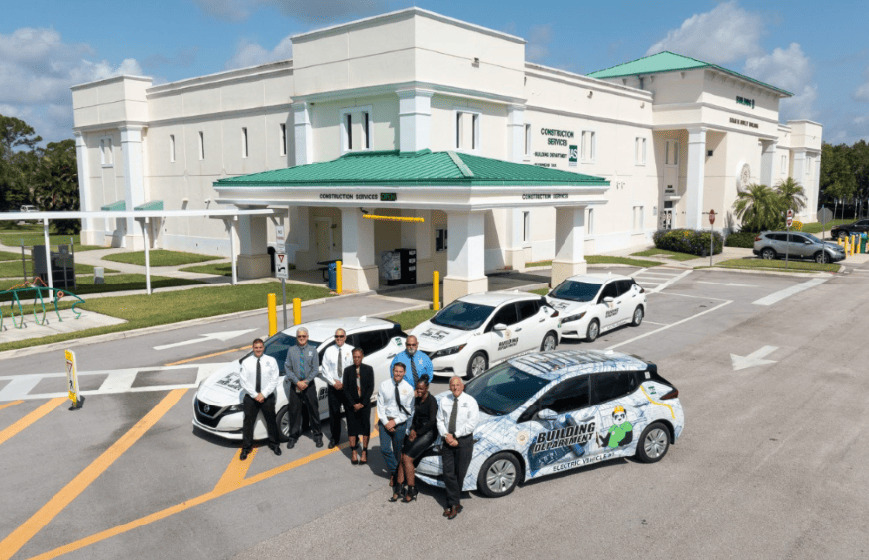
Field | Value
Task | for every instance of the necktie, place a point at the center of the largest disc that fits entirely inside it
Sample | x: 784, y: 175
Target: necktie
x: 413, y: 370
x: 398, y: 400
x: 453, y: 416
x: 302, y: 363
x: 259, y: 377
x: 340, y: 369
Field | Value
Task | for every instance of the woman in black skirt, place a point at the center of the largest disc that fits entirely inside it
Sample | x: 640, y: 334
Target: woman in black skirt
x: 358, y: 387
x: 422, y: 433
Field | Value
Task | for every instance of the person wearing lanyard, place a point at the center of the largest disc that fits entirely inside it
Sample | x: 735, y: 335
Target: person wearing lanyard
x: 416, y: 364
x: 394, y: 407
x: 420, y: 436
x: 258, y: 374
x: 358, y: 388
x: 335, y: 359
x: 302, y: 366
x: 457, y: 417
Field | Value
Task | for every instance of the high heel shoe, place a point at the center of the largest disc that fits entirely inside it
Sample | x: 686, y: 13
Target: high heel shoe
x: 398, y: 492
x: 364, y: 459
x: 410, y: 494
x: 354, y: 459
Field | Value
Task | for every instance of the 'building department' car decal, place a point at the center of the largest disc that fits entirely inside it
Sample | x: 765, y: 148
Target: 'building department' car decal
x: 435, y: 334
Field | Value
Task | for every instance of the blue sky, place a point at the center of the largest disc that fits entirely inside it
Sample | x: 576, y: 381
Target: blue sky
x: 820, y: 52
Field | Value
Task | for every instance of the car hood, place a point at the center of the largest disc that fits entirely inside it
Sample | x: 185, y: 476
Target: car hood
x: 435, y: 337
x: 833, y: 246
x: 566, y: 308
x: 222, y: 387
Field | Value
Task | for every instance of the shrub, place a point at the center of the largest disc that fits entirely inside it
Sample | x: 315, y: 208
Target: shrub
x: 687, y: 241
x: 797, y: 225
x: 743, y: 239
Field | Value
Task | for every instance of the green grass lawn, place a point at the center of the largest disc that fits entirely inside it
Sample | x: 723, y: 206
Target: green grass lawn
x: 816, y: 227
x: 34, y: 236
x: 763, y: 264
x: 410, y: 319
x: 164, y: 308
x: 116, y: 283
x: 218, y: 269
x: 538, y: 263
x: 540, y: 291
x: 663, y: 253
x: 159, y: 257
x: 13, y: 269
x: 602, y: 259
x: 7, y: 256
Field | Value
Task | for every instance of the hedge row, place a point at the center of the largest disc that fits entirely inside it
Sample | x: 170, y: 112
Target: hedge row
x: 687, y: 241
x: 744, y: 239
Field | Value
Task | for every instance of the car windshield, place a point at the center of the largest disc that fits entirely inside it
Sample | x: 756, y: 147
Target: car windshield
x: 575, y: 291
x: 462, y: 315
x: 503, y: 389
x: 278, y: 345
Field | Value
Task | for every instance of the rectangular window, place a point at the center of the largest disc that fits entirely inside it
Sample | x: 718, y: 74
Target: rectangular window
x: 102, y: 151
x: 527, y: 140
x: 467, y: 130
x: 106, y: 155
x: 440, y: 240
x: 244, y: 142
x: 638, y: 218
x: 366, y: 124
x: 475, y: 126
x: 356, y: 129
x: 348, y: 131
x: 283, y: 139
x: 526, y: 227
x: 201, y: 145
x: 458, y: 131
x: 784, y: 164
x: 172, y: 148
x: 640, y: 151
x: 671, y: 152
x: 590, y: 222
x: 588, y: 146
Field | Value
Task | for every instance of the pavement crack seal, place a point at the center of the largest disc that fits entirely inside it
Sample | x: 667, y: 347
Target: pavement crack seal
x: 23, y: 423
x: 233, y: 479
x: 22, y: 535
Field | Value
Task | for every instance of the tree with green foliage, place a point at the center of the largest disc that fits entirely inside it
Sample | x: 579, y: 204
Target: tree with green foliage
x: 792, y: 194
x: 19, y: 156
x: 55, y: 183
x: 837, y: 181
x: 758, y: 207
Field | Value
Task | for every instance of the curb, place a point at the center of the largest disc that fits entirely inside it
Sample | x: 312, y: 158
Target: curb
x: 819, y: 274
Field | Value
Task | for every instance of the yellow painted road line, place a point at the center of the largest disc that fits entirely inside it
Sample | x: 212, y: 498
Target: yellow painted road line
x: 29, y: 419
x: 2, y: 406
x: 234, y: 473
x: 20, y: 536
x: 179, y: 362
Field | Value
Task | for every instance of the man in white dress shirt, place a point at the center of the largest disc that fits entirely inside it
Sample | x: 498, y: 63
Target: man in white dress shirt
x: 457, y: 417
x: 335, y: 359
x: 394, y: 408
x: 258, y: 374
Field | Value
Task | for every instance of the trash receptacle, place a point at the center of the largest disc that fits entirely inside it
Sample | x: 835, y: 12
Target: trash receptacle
x: 333, y: 276
x: 863, y: 239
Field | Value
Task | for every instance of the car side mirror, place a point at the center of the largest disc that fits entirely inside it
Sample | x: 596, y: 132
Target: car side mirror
x: 608, y: 299
x: 807, y: 242
x: 547, y: 414
x: 500, y: 327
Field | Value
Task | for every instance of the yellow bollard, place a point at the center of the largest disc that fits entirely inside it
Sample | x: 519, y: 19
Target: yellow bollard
x: 436, y: 304
x: 273, y: 314
x: 297, y: 311
x: 339, y: 278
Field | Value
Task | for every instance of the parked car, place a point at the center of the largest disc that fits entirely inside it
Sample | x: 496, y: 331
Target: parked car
x: 548, y: 412
x: 217, y: 407
x: 844, y: 230
x: 594, y: 303
x: 796, y: 245
x: 478, y: 330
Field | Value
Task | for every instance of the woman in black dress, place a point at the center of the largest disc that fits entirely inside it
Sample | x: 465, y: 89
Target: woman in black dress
x: 420, y: 437
x: 358, y: 387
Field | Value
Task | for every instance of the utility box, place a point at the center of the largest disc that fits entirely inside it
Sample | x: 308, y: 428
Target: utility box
x: 62, y: 266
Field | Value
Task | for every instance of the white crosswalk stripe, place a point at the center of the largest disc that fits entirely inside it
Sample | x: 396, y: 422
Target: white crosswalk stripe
x: 655, y: 280
x: 21, y: 387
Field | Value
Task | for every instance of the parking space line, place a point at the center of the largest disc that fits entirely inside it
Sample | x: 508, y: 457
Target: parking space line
x: 686, y: 319
x: 693, y: 296
x: 222, y: 352
x: 2, y: 406
x: 234, y: 473
x: 26, y: 531
x: 23, y: 423
x: 776, y: 297
x: 654, y: 323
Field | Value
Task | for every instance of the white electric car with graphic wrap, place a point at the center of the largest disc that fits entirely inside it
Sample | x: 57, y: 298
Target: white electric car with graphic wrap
x: 217, y: 407
x: 478, y: 330
x: 549, y: 412
x: 592, y: 304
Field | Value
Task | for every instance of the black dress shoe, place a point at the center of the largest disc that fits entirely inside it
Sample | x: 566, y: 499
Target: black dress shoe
x: 454, y: 511
x: 291, y: 444
x: 318, y: 442
x: 243, y: 456
x: 277, y: 449
x: 332, y: 444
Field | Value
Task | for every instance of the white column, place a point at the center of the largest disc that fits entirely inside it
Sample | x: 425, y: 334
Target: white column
x: 134, y: 178
x: 812, y: 194
x: 465, y: 255
x: 569, y: 243
x: 516, y: 132
x: 696, y: 174
x: 253, y: 257
x: 414, y: 119
x: 514, y: 252
x: 303, y: 133
x: 48, y: 253
x: 88, y: 235
x: 357, y: 252
x: 145, y: 225
x: 767, y: 163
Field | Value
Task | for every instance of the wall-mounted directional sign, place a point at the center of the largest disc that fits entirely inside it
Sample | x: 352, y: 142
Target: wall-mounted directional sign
x: 282, y: 269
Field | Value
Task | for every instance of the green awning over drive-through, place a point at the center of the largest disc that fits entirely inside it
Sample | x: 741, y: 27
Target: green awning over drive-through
x: 120, y: 205
x: 423, y: 168
x: 150, y: 205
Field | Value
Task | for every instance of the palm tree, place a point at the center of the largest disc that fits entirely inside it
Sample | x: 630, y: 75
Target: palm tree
x: 792, y: 194
x: 758, y: 207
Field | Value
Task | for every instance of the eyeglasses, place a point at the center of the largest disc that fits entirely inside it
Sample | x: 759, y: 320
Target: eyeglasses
x: 340, y: 336
x: 414, y: 345
x: 301, y: 336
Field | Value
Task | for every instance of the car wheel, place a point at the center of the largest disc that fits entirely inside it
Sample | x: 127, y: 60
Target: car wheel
x: 821, y: 257
x: 499, y: 475
x: 550, y: 341
x: 282, y: 419
x: 592, y: 331
x: 477, y: 364
x: 638, y: 316
x: 843, y: 235
x: 654, y: 443
x: 767, y: 254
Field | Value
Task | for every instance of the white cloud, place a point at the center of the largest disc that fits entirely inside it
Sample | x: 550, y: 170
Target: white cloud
x: 37, y: 69
x: 539, y: 38
x: 788, y: 69
x: 722, y: 35
x: 319, y: 12
x: 252, y: 54
x: 862, y: 91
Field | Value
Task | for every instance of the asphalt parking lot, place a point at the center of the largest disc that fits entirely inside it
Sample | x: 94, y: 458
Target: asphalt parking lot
x: 770, y: 464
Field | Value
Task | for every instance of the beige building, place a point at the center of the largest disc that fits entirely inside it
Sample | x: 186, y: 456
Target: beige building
x: 670, y: 136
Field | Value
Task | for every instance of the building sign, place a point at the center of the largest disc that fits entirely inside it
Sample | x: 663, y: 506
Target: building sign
x: 543, y: 196
x: 574, y: 152
x: 388, y: 197
x: 556, y: 137
x: 749, y: 124
x: 348, y: 196
x: 745, y: 101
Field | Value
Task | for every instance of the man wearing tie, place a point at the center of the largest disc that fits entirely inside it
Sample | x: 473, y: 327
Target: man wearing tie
x: 457, y: 417
x: 302, y: 366
x: 394, y: 408
x: 416, y: 364
x: 258, y: 374
x: 335, y: 359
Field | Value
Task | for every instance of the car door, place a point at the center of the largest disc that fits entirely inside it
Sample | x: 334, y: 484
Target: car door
x: 502, y: 344
x: 620, y: 419
x: 608, y: 311
x: 378, y: 352
x: 626, y: 301
x: 531, y: 324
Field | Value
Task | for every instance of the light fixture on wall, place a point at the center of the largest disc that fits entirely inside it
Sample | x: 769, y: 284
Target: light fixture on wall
x: 590, y: 93
x: 476, y: 63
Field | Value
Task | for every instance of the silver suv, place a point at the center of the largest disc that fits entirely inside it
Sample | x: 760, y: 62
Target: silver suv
x: 796, y: 245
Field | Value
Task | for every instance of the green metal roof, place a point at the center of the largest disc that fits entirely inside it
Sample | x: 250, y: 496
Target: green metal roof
x: 423, y: 168
x: 150, y: 205
x: 670, y: 62
x: 114, y: 206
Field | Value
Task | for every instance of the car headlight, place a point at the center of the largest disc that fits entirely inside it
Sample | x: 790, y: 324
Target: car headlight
x: 447, y: 351
x: 235, y: 408
x: 572, y: 318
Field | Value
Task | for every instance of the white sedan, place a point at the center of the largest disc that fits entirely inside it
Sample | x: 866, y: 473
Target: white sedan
x: 217, y: 405
x: 594, y: 303
x: 478, y: 330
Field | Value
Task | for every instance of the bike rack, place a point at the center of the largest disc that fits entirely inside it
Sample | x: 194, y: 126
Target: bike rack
x: 34, y: 290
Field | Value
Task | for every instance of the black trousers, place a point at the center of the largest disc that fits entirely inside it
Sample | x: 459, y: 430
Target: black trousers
x: 456, y: 461
x: 307, y: 399
x: 251, y: 408
x: 335, y: 399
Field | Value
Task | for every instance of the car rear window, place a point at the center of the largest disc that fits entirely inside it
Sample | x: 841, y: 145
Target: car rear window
x: 575, y: 291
